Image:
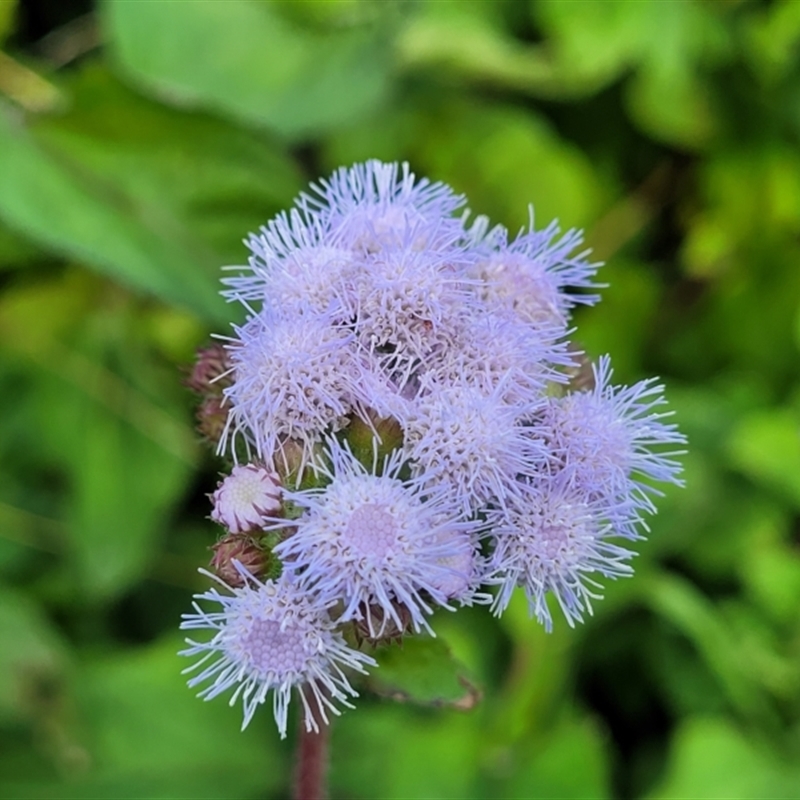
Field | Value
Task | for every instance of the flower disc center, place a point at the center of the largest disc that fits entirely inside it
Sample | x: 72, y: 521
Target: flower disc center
x: 372, y: 530
x: 269, y: 649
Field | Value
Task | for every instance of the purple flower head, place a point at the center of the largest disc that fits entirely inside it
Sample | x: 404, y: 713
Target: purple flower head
x: 611, y: 439
x: 297, y: 267
x: 495, y: 348
x: 469, y: 443
x: 411, y: 378
x: 529, y: 275
x: 554, y: 539
x: 293, y: 379
x: 271, y: 636
x: 410, y: 305
x: 374, y: 205
x: 287, y: 243
x: 369, y: 538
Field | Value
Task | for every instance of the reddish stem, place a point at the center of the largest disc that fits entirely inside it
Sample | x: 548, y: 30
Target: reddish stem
x: 312, y: 758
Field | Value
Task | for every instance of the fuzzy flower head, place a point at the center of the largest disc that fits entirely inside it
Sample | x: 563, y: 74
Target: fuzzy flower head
x: 611, y: 439
x: 271, y: 637
x: 296, y: 264
x: 293, y: 379
x: 410, y: 305
x: 529, y: 275
x: 496, y: 350
x: 369, y: 538
x: 468, y: 443
x: 375, y: 205
x: 554, y: 541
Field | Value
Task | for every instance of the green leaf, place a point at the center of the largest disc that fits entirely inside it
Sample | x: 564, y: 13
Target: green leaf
x: 676, y: 600
x: 256, y: 66
x: 633, y: 296
x: 155, y: 198
x: 665, y: 43
x: 65, y: 210
x: 143, y: 733
x: 423, y: 670
x: 765, y: 446
x: 770, y: 38
x: 399, y: 752
x: 712, y: 759
x: 567, y: 761
x: 537, y: 678
x: 108, y: 417
x: 669, y: 97
x: 515, y: 159
x: 771, y: 569
x: 7, y: 12
x: 32, y: 658
x: 16, y: 250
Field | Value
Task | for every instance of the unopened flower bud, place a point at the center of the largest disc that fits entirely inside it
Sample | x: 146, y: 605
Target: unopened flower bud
x: 209, y: 375
x: 361, y: 435
x: 293, y: 460
x: 248, y: 495
x: 372, y: 626
x: 212, y: 415
x: 581, y: 374
x: 248, y: 552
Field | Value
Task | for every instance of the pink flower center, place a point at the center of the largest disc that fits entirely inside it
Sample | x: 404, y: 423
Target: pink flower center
x: 270, y: 649
x: 372, y: 530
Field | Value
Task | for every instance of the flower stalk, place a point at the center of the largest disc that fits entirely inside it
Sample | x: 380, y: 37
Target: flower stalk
x: 311, y: 766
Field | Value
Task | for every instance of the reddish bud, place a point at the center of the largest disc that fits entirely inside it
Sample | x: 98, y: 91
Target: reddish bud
x: 244, y: 549
x: 211, y: 418
x: 210, y: 374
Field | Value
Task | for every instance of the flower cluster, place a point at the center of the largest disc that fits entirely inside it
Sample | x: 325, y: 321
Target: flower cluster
x: 407, y: 435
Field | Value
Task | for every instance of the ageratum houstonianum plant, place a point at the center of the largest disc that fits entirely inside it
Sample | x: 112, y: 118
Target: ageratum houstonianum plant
x: 409, y: 428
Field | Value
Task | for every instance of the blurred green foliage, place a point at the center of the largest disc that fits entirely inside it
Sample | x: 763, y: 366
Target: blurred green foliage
x: 141, y: 141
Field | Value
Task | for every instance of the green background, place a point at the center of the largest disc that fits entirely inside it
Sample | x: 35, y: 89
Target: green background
x: 141, y: 141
